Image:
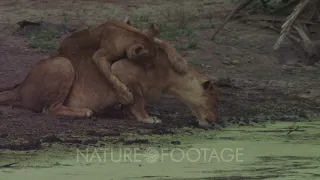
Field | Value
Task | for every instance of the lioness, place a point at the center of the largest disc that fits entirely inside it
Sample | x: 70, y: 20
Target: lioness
x: 54, y: 86
x: 111, y: 41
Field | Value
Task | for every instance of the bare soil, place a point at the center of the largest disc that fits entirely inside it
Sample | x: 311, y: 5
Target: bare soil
x: 266, y: 85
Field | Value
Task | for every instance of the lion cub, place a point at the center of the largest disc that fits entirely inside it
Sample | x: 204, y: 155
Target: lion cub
x: 114, y: 40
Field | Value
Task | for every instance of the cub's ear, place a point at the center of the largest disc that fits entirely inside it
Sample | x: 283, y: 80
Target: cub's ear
x: 153, y: 30
x: 127, y: 20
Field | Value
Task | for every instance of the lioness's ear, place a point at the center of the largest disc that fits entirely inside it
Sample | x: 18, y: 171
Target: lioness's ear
x: 153, y: 30
x: 127, y: 20
x: 206, y: 85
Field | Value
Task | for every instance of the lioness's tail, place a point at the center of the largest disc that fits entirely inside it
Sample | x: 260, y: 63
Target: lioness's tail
x: 11, y: 88
x: 176, y: 60
x: 8, y: 95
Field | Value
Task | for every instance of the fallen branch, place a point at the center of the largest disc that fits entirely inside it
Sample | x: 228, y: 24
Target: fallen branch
x: 273, y: 18
x: 306, y: 42
x: 239, y: 7
x: 292, y: 37
x: 263, y: 24
x: 8, y: 165
x: 310, y: 47
x: 290, y: 20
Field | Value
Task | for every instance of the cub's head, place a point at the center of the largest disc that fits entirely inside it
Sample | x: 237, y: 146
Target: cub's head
x: 122, y: 38
x: 143, y: 50
x: 153, y: 30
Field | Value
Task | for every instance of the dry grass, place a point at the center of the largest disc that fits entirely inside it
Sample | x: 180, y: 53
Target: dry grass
x: 44, y: 39
x: 174, y: 18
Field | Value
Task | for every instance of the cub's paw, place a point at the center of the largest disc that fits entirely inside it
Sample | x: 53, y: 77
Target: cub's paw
x: 124, y: 94
x: 125, y: 98
x: 179, y: 63
x: 151, y: 120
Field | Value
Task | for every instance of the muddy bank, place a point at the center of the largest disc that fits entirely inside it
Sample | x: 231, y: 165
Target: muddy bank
x: 260, y: 152
x: 21, y: 129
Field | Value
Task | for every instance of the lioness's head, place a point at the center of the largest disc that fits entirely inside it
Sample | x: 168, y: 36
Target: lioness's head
x: 207, y: 107
x: 199, y: 92
x: 202, y: 97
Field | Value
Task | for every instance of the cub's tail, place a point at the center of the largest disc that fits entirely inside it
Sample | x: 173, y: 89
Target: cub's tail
x: 178, y: 63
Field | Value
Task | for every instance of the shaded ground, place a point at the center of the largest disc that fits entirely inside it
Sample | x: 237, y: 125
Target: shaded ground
x: 268, y: 86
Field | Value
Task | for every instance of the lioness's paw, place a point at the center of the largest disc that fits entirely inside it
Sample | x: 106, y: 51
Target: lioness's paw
x: 156, y: 120
x: 204, y: 124
x: 151, y: 120
x: 87, y: 112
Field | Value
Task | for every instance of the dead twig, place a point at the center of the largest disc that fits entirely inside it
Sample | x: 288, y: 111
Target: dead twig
x: 293, y: 128
x: 239, y: 7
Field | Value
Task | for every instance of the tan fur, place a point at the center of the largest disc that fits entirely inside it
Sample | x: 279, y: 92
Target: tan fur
x: 54, y: 86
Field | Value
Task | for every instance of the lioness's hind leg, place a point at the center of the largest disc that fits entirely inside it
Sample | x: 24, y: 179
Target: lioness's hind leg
x: 59, y: 109
x: 47, y: 86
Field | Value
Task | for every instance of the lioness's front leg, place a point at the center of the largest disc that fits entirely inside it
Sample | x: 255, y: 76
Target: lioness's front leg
x: 100, y: 58
x: 138, y: 110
